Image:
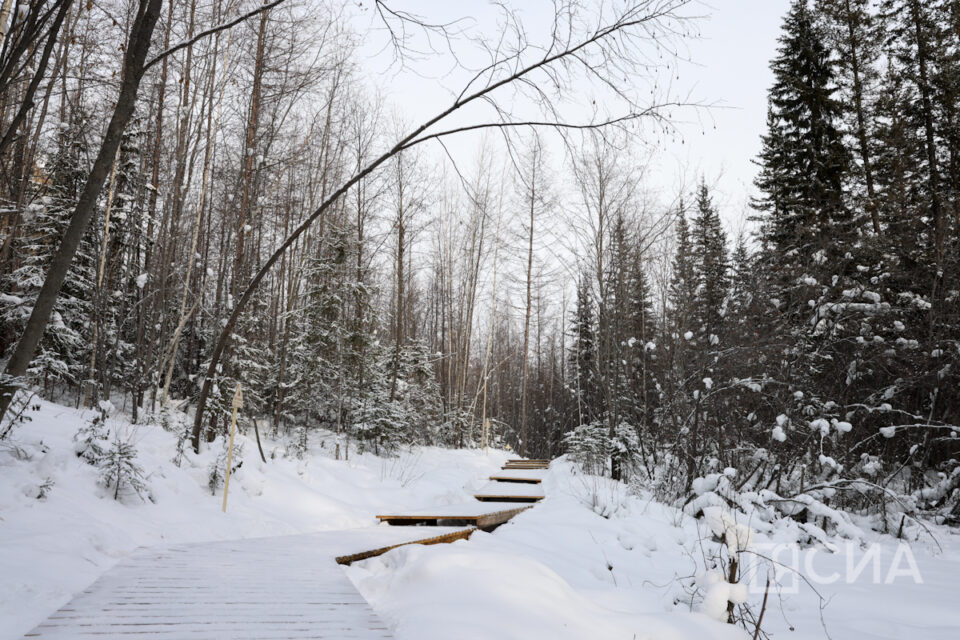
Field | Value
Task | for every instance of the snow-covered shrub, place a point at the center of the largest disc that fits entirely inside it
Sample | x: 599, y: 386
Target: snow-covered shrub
x: 588, y: 446
x: 45, y: 487
x: 217, y: 470
x: 404, y: 468
x: 92, y: 439
x: 183, y: 437
x: 803, y: 516
x: 119, y: 470
x: 604, y: 496
x: 300, y: 441
x: 19, y: 410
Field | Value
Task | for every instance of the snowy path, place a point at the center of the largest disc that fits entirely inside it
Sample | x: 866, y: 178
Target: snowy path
x: 260, y: 588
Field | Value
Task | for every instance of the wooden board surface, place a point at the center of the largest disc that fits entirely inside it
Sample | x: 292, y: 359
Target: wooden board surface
x: 458, y: 534
x: 492, y: 490
x: 287, y: 587
x: 512, y: 478
x: 534, y: 476
x: 479, y: 514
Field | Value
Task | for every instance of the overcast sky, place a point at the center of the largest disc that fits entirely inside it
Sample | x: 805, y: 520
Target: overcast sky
x: 732, y: 67
x: 729, y: 67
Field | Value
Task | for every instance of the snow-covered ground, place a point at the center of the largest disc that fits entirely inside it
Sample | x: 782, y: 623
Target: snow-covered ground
x: 559, y: 570
x: 563, y: 571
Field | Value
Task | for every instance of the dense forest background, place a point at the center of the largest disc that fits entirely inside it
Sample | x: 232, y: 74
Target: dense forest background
x: 538, y: 293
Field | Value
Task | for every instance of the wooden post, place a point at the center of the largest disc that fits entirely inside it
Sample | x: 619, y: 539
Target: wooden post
x: 237, y: 403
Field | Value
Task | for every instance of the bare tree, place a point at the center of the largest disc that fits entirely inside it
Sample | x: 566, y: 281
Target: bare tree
x: 617, y: 43
x: 135, y: 65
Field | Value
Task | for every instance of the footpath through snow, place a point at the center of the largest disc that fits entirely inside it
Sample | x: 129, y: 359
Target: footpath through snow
x: 589, y: 561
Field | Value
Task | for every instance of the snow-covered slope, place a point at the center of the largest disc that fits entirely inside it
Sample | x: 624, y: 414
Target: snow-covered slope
x: 590, y: 561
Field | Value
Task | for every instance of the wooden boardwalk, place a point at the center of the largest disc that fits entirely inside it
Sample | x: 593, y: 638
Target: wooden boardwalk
x: 287, y: 587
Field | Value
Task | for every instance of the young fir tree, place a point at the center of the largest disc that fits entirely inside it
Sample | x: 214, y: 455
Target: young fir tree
x: 712, y: 267
x: 683, y: 284
x: 583, y: 355
x: 642, y: 323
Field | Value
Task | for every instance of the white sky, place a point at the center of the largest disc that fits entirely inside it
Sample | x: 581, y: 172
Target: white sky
x: 729, y: 68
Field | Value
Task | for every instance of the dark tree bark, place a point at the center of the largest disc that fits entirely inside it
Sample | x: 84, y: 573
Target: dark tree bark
x: 34, y: 35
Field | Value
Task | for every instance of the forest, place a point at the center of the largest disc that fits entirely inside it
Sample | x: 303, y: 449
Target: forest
x: 212, y: 192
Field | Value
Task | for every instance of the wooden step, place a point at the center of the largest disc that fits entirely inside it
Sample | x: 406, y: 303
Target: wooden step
x: 506, y: 478
x: 482, y: 515
x: 509, y: 492
x: 532, y: 476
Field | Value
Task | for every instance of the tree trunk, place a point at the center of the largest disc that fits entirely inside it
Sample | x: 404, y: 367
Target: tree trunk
x: 526, y: 317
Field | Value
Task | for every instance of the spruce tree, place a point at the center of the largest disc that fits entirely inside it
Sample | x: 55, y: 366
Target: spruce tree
x: 683, y: 284
x: 803, y: 160
x: 711, y: 266
x: 583, y: 356
x: 853, y: 33
x: 914, y: 33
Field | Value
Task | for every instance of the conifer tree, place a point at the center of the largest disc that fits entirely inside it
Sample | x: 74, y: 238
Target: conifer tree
x: 711, y: 266
x: 683, y: 284
x: 583, y: 357
x: 918, y: 46
x: 803, y: 160
x: 63, y: 353
x: 853, y: 33
x: 642, y: 323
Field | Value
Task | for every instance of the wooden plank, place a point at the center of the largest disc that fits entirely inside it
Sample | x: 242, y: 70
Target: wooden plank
x: 482, y: 515
x: 509, y: 491
x: 520, y: 475
x: 509, y: 478
x: 462, y: 534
